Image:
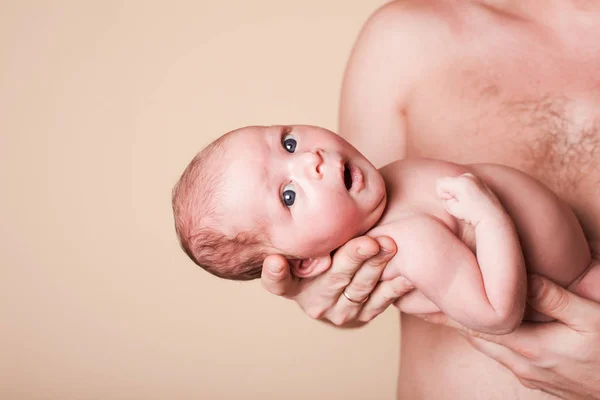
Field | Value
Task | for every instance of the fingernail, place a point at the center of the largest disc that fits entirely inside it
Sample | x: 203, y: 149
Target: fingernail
x: 276, y: 268
x: 362, y: 252
x: 384, y: 252
x: 534, y: 285
x: 407, y: 282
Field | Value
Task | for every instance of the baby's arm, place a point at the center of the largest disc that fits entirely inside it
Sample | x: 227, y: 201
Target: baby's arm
x: 484, y: 292
x: 498, y: 250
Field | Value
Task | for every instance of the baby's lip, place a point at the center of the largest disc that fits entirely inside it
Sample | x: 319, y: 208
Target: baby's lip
x: 352, y: 177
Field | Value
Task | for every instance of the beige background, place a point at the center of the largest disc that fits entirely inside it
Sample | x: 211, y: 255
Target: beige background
x: 102, y: 104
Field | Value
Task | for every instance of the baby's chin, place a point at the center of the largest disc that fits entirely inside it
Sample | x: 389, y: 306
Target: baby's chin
x: 316, y: 247
x: 323, y: 248
x: 341, y: 241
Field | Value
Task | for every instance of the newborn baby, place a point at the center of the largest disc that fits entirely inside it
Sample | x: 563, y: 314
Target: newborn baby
x: 466, y: 234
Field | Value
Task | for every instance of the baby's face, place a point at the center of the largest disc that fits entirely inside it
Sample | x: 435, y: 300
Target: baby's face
x: 307, y: 187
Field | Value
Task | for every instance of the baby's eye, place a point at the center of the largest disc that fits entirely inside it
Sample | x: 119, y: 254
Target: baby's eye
x: 289, y: 195
x: 289, y: 143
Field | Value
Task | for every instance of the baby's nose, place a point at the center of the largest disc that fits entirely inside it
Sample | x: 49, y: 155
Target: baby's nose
x: 313, y: 161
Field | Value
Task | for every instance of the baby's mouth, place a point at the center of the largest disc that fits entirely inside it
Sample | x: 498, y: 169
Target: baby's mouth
x: 353, y: 178
x: 347, y: 176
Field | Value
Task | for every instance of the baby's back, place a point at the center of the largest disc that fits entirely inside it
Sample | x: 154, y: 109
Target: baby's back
x: 551, y: 237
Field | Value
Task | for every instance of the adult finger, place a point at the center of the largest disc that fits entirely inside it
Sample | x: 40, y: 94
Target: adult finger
x: 517, y: 364
x: 277, y: 278
x: 346, y: 261
x: 529, y: 340
x: 551, y: 299
x: 528, y: 373
x: 367, y: 277
x: 321, y: 296
x: 383, y: 296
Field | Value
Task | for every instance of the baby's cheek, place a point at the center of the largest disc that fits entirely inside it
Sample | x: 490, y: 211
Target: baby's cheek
x: 330, y: 224
x: 343, y: 226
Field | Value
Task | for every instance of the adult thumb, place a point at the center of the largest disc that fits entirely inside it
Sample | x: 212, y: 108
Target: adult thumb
x: 557, y: 302
x: 277, y: 278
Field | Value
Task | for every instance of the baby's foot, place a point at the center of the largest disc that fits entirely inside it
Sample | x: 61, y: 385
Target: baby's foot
x: 466, y: 197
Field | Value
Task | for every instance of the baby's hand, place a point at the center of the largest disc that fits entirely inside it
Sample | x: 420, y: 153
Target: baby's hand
x: 466, y: 197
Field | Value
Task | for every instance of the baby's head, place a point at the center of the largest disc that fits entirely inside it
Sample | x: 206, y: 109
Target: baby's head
x: 299, y: 191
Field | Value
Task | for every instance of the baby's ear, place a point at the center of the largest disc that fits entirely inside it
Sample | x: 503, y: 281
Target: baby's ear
x: 309, y: 267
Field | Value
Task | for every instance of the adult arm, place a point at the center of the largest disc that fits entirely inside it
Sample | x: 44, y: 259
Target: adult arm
x: 377, y: 82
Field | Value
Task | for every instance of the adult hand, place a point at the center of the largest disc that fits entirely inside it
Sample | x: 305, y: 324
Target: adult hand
x: 356, y: 269
x: 562, y: 357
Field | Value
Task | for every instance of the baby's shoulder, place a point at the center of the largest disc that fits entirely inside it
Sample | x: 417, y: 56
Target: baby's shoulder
x: 420, y: 167
x: 414, y: 179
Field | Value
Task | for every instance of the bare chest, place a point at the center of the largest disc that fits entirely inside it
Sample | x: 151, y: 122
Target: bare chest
x: 516, y: 111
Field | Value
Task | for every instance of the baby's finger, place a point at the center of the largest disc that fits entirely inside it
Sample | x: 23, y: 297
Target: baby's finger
x: 383, y: 296
x: 367, y: 277
x: 277, y: 278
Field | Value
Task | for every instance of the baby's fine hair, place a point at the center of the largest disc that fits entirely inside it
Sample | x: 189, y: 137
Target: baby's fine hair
x: 195, y: 200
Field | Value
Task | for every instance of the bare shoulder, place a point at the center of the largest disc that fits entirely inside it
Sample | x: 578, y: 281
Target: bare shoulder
x: 412, y: 33
x: 398, y: 47
x: 416, y: 16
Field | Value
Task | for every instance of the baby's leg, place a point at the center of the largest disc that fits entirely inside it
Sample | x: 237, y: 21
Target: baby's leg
x: 498, y: 250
